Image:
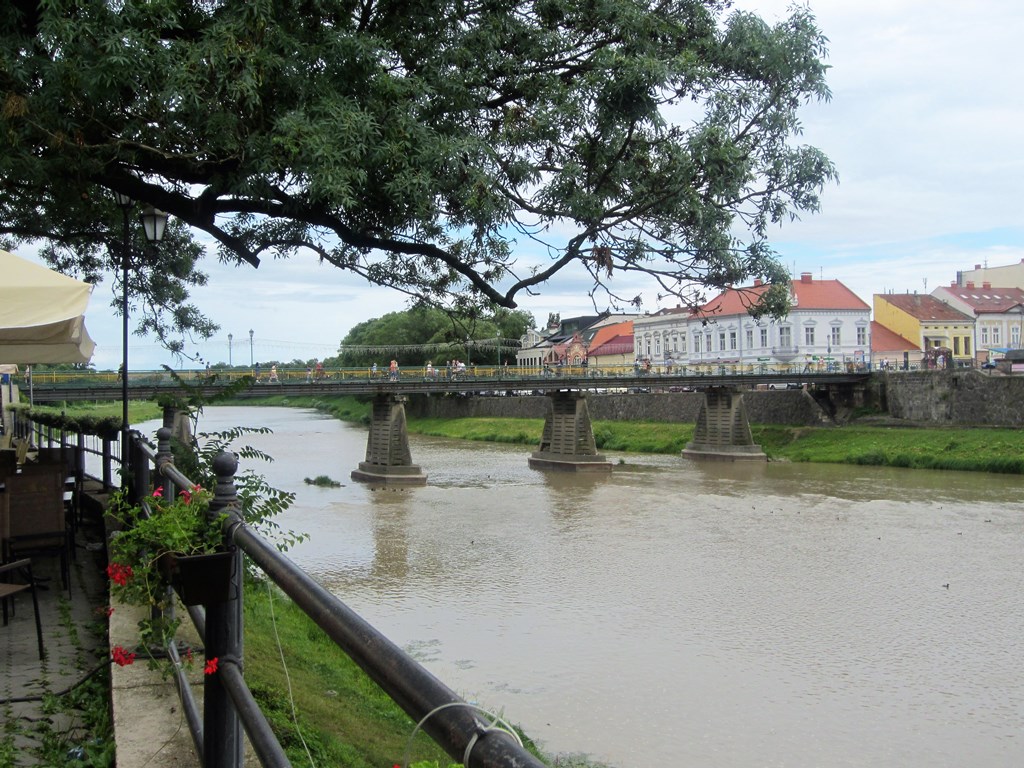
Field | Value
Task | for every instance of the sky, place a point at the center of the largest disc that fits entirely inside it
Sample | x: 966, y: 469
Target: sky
x: 924, y: 126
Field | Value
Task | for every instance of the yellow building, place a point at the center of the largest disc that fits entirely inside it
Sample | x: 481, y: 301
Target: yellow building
x: 930, y: 323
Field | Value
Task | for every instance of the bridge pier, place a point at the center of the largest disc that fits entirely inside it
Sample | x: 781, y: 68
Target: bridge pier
x: 723, y: 432
x: 567, y: 442
x: 388, y: 458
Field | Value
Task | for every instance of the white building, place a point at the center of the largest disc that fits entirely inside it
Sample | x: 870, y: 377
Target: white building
x: 998, y: 313
x: 827, y: 325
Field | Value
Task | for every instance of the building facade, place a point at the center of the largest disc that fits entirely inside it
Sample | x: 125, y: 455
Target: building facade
x: 998, y: 316
x: 929, y: 323
x: 828, y: 326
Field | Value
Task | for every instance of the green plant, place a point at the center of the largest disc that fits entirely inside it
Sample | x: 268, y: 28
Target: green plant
x: 322, y: 481
x: 149, y: 532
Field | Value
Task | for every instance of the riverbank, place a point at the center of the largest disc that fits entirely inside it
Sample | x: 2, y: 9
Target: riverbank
x: 891, y: 443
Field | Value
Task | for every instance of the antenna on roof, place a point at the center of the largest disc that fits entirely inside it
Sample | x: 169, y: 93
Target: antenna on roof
x: 925, y: 281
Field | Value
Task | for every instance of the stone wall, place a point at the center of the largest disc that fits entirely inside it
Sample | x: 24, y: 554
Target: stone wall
x: 962, y: 398
x: 793, y: 407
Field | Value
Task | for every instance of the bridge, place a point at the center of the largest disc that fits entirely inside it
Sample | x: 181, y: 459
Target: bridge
x: 567, y: 443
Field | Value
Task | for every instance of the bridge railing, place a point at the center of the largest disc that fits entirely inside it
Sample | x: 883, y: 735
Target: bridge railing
x: 229, y: 706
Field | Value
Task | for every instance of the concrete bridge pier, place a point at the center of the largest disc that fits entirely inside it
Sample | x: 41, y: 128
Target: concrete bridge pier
x: 567, y: 442
x: 723, y: 431
x: 388, y: 459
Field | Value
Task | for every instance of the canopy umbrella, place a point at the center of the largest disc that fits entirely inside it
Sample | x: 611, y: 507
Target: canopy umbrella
x: 42, y: 314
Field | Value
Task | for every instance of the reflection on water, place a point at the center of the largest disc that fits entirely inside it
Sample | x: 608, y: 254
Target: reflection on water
x: 685, y: 613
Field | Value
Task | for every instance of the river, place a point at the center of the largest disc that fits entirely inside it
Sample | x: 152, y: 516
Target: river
x: 681, y: 613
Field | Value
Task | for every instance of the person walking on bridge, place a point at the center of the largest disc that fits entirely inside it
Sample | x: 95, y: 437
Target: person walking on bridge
x: 393, y: 370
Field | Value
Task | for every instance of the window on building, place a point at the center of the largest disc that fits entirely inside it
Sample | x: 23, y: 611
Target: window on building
x: 696, y: 344
x: 721, y: 341
x: 707, y: 343
x: 682, y: 344
x: 1015, y: 337
x: 750, y: 338
x: 764, y: 337
x: 956, y: 345
x: 835, y: 336
x: 996, y: 336
x: 785, y: 337
x: 657, y: 346
x: 862, y: 336
x: 984, y: 335
x: 809, y: 335
x: 967, y: 345
x: 732, y: 339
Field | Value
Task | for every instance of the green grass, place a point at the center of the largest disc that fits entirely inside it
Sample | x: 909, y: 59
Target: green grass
x: 965, y: 449
x: 138, y: 410
x: 345, y: 719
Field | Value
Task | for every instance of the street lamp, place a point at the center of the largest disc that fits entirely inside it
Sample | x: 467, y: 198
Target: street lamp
x: 153, y: 224
x: 499, y: 352
x: 467, y: 351
x: 250, y: 347
x: 231, y: 338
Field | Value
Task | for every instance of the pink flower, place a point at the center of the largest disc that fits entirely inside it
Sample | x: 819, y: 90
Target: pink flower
x: 158, y: 493
x: 211, y: 666
x: 187, y: 495
x: 121, y: 657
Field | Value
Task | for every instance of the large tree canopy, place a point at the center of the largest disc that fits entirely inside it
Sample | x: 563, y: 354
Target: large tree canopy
x: 461, y: 151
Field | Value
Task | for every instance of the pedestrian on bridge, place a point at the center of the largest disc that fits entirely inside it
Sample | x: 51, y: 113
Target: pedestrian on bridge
x: 393, y: 370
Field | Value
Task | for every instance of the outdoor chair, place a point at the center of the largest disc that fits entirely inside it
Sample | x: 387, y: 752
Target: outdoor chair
x: 34, y: 518
x: 16, y: 577
x: 65, y: 457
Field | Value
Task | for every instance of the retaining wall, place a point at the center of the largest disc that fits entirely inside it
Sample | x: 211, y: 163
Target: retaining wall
x: 961, y: 398
x: 794, y: 407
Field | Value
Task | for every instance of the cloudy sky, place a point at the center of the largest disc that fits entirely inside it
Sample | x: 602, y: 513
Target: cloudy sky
x: 924, y: 126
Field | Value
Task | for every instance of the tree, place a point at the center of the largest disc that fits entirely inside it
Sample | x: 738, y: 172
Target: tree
x: 427, y: 333
x: 428, y: 146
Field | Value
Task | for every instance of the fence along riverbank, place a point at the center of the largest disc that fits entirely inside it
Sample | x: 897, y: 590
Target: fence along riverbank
x: 228, y: 706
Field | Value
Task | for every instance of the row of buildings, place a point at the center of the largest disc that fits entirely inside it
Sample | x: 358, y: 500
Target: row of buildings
x: 968, y: 323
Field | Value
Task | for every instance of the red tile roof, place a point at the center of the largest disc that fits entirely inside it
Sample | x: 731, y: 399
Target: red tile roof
x: 607, y: 332
x: 925, y: 307
x: 885, y: 340
x: 987, y: 300
x: 808, y: 292
x: 617, y: 345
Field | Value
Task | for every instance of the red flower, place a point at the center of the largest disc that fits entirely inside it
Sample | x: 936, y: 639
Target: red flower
x: 188, y: 656
x: 158, y: 493
x: 101, y: 611
x: 121, y: 657
x: 187, y: 495
x: 211, y: 666
x: 119, y: 574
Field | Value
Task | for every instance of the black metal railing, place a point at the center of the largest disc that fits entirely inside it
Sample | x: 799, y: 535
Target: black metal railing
x: 229, y: 708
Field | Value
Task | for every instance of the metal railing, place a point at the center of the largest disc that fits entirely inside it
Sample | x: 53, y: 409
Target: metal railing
x: 228, y: 705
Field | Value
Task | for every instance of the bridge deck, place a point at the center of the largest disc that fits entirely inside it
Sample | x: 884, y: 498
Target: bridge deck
x: 144, y: 390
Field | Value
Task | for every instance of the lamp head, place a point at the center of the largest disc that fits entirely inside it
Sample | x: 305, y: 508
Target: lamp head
x: 154, y: 221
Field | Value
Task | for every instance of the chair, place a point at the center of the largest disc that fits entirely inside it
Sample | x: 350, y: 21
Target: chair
x: 21, y: 569
x: 33, y: 508
x: 64, y: 456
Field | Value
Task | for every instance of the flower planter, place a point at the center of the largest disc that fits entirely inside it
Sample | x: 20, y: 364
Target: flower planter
x: 199, y: 579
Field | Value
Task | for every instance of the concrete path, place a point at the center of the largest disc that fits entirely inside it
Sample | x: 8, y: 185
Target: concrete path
x: 149, y: 729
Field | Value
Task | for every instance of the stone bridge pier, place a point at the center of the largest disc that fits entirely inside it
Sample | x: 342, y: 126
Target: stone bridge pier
x: 388, y: 458
x: 723, y: 432
x: 567, y: 442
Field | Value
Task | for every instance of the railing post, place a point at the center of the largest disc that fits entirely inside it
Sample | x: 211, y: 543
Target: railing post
x: 108, y: 475
x: 139, y: 467
x: 163, y: 456
x: 222, y: 728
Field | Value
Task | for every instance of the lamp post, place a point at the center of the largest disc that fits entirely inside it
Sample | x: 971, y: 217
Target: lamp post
x: 499, y: 351
x: 468, y: 355
x: 250, y: 347
x: 231, y: 338
x: 153, y: 224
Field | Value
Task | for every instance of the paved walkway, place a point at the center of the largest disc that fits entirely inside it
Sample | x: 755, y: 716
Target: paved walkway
x: 75, y: 639
x: 39, y: 726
